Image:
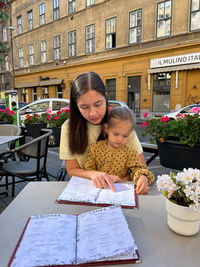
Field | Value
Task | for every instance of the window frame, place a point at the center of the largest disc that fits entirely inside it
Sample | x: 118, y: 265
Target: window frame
x: 31, y: 54
x: 111, y: 33
x: 21, y: 57
x: 135, y: 27
x: 56, y: 9
x: 5, y: 33
x: 43, y: 52
x: 30, y: 20
x: 164, y: 19
x: 19, y: 24
x: 72, y: 45
x: 42, y: 13
x: 192, y: 12
x: 71, y: 5
x: 91, y: 3
x: 90, y: 39
x: 57, y: 39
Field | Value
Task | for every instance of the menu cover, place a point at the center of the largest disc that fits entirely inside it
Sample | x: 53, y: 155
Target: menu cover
x: 98, y: 237
x: 82, y: 191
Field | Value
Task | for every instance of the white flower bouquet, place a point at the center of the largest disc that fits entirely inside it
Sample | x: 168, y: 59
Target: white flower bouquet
x: 183, y: 188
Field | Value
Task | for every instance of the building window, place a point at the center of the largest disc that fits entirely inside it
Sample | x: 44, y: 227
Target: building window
x: 30, y: 19
x: 21, y: 57
x: 89, y: 3
x: 111, y: 88
x: 161, y: 91
x: 89, y: 38
x: 195, y: 15
x: 43, y: 51
x: 6, y: 63
x: 31, y: 54
x: 59, y: 91
x: 135, y: 26
x: 72, y: 44
x: 19, y: 24
x: 42, y: 14
x: 34, y: 94
x: 5, y: 34
x: 23, y: 94
x: 56, y: 9
x: 71, y: 6
x: 57, y: 47
x: 111, y: 33
x: 164, y: 19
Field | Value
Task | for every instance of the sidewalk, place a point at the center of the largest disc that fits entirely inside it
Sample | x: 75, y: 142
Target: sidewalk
x: 53, y: 166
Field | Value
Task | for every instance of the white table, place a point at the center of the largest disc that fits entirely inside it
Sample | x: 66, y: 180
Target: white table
x: 7, y: 138
x: 157, y: 244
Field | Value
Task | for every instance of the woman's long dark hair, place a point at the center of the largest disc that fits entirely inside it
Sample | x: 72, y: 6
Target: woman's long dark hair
x: 78, y: 135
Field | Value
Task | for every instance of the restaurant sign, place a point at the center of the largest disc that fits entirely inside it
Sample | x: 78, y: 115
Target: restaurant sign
x: 176, y: 60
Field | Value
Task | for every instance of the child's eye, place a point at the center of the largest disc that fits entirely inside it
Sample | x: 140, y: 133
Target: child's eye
x: 125, y: 136
x: 116, y: 134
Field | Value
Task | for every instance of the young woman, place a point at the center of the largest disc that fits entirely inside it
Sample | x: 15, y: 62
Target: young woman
x: 88, y: 112
x: 112, y: 155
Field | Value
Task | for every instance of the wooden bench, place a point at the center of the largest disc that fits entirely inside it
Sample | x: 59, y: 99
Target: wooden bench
x: 150, y: 148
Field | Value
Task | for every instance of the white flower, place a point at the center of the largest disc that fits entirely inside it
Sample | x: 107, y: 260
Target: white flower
x: 187, y: 190
x: 183, y: 188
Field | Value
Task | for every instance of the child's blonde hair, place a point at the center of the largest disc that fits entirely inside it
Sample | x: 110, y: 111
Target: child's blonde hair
x: 121, y: 113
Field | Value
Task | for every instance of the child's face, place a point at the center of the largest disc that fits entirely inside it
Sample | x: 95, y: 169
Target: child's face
x: 118, y: 133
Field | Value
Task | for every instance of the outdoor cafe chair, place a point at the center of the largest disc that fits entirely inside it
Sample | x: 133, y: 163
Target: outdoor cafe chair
x: 10, y: 130
x: 34, y: 169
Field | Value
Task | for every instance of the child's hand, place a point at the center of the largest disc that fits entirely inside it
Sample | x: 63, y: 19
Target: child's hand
x: 115, y: 178
x: 101, y: 180
x: 142, y: 185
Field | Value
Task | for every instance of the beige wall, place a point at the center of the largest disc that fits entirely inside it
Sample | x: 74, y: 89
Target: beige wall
x: 119, y: 63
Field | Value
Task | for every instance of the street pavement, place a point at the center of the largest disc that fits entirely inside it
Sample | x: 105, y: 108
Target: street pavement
x: 54, y: 166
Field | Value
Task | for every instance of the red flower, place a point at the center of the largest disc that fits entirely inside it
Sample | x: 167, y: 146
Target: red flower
x: 58, y: 112
x: 145, y: 114
x: 144, y: 124
x: 165, y: 119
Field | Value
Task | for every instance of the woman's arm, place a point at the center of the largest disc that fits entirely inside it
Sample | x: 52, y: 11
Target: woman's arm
x: 99, y: 179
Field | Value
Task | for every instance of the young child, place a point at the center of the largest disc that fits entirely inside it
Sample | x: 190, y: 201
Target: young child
x: 112, y: 155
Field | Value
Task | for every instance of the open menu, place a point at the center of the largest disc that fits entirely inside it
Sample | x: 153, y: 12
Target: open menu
x: 97, y: 237
x: 81, y: 190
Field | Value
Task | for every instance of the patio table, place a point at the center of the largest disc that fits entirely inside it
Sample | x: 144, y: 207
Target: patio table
x: 157, y: 244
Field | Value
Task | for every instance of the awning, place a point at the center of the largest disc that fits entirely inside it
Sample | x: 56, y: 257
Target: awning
x: 38, y: 84
x: 175, y: 68
x: 170, y: 69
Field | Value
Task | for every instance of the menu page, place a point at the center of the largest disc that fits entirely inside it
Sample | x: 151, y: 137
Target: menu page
x: 48, y: 240
x: 124, y: 195
x: 104, y: 233
x: 80, y: 190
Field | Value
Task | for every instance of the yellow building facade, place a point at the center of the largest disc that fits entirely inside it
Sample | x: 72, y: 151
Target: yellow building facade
x: 147, y: 52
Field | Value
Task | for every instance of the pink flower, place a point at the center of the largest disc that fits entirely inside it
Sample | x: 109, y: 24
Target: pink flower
x: 48, y: 111
x: 144, y: 124
x: 145, y: 114
x: 195, y: 109
x: 56, y: 118
x: 65, y: 109
x: 165, y: 119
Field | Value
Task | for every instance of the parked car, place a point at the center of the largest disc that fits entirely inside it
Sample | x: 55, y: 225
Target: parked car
x: 40, y: 106
x: 185, y: 110
x: 55, y: 104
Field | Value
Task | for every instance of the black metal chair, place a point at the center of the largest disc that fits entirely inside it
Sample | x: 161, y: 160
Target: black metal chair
x: 62, y: 173
x: 33, y: 169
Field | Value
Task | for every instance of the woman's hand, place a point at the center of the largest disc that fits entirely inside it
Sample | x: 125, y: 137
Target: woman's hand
x: 142, y: 185
x: 101, y: 180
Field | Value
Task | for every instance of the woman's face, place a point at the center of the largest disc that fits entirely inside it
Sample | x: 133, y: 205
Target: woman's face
x: 92, y: 106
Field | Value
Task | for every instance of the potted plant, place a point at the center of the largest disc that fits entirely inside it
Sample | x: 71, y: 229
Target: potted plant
x: 178, y: 140
x: 6, y: 116
x: 55, y: 121
x: 182, y: 192
x: 34, y: 123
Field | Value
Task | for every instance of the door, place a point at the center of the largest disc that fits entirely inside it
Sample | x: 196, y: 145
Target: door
x: 134, y: 88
